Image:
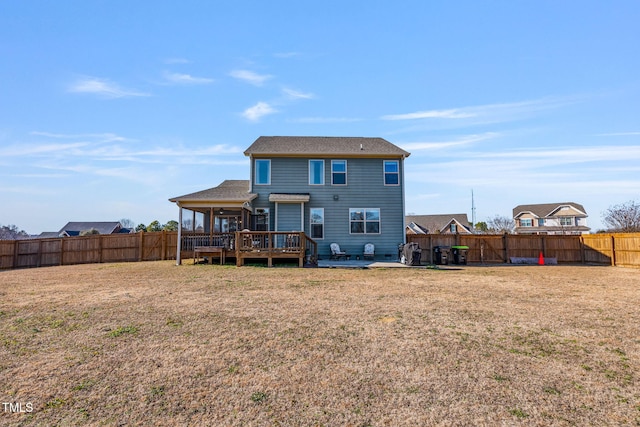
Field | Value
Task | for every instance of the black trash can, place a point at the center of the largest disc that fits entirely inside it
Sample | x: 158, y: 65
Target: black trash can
x: 441, y: 255
x: 459, y: 254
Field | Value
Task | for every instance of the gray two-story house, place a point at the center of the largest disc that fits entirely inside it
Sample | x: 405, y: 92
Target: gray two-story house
x: 345, y: 190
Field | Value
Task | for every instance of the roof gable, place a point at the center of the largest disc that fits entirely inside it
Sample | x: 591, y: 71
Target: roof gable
x: 230, y: 190
x: 439, y: 223
x: 306, y: 146
x: 74, y: 228
x: 545, y: 210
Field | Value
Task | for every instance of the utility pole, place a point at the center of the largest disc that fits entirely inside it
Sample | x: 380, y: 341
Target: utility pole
x: 473, y: 213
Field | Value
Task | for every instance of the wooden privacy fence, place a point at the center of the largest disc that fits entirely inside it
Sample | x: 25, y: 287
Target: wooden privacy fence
x: 609, y: 249
x: 620, y: 249
x: 95, y: 248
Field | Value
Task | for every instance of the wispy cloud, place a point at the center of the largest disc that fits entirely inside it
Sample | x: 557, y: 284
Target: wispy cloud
x: 286, y: 54
x: 325, y: 120
x: 439, y: 114
x: 489, y: 113
x: 250, y: 77
x: 186, y: 79
x: 258, y: 111
x: 620, y: 134
x: 103, y: 88
x: 294, y: 94
x: 436, y: 145
x: 103, y: 137
x: 170, y: 61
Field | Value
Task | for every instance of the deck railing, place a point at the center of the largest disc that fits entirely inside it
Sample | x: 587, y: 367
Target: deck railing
x: 256, y: 244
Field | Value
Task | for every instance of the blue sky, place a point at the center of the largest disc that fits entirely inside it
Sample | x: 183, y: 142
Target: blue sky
x: 109, y: 108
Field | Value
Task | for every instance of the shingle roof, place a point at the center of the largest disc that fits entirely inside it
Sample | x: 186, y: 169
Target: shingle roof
x: 74, y: 228
x: 434, y: 223
x: 229, y: 190
x: 324, y: 146
x: 545, y: 209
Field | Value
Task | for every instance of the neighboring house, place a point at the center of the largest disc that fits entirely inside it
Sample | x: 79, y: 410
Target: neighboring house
x: 75, y: 228
x: 347, y: 190
x: 438, y: 224
x: 551, y: 218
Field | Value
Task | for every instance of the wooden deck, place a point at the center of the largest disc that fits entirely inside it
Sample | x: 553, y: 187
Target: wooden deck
x: 248, y: 245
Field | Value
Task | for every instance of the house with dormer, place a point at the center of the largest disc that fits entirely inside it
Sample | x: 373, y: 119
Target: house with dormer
x: 345, y: 190
x: 438, y: 224
x: 551, y: 218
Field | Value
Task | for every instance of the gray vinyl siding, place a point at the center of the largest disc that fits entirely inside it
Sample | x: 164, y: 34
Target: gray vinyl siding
x: 288, y: 217
x: 365, y: 189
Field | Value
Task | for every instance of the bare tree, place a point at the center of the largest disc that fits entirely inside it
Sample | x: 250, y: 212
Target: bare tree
x: 11, y: 232
x: 501, y: 224
x: 623, y: 218
x: 127, y: 223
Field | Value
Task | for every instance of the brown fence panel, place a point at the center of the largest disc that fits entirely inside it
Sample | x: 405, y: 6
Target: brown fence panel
x: 152, y: 246
x: 598, y: 248
x: 27, y: 253
x: 81, y: 250
x: 626, y: 249
x: 50, y: 252
x: 610, y: 249
x: 7, y: 249
x: 566, y: 249
x: 485, y: 248
x: 120, y: 247
x: 171, y: 247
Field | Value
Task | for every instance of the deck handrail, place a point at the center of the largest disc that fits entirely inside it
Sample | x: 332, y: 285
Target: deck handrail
x: 250, y: 244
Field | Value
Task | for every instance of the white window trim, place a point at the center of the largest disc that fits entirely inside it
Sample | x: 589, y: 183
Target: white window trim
x: 321, y: 175
x: 384, y: 173
x: 346, y: 168
x: 311, y: 223
x: 255, y: 171
x: 364, y: 210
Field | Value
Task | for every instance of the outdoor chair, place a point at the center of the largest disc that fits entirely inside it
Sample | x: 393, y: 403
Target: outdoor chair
x: 336, y: 253
x: 369, y: 251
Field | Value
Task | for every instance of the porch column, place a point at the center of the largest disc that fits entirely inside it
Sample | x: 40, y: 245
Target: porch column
x: 275, y: 228
x: 179, y: 248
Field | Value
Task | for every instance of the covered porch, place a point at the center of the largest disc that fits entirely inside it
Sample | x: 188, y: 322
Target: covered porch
x: 220, y: 223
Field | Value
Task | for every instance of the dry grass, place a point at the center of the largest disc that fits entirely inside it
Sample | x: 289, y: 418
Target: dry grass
x: 155, y: 344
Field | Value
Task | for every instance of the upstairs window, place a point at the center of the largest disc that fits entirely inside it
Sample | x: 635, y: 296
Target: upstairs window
x: 338, y: 172
x: 316, y: 172
x: 566, y: 221
x: 526, y: 222
x: 364, y: 221
x: 391, y: 172
x: 541, y: 222
x: 263, y: 172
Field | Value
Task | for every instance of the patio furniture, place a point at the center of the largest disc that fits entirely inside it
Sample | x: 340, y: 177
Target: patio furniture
x: 369, y: 251
x: 336, y: 253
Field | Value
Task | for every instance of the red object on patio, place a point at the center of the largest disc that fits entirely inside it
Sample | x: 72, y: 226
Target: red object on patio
x: 541, y: 259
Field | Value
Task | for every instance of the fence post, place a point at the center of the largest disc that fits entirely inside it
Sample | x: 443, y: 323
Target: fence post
x: 505, y: 243
x: 61, y: 251
x: 15, y: 254
x: 100, y: 250
x: 141, y: 246
x: 163, y: 255
x: 613, y: 250
x: 39, y: 260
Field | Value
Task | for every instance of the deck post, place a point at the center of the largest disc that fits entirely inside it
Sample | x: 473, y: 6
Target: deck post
x: 179, y: 244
